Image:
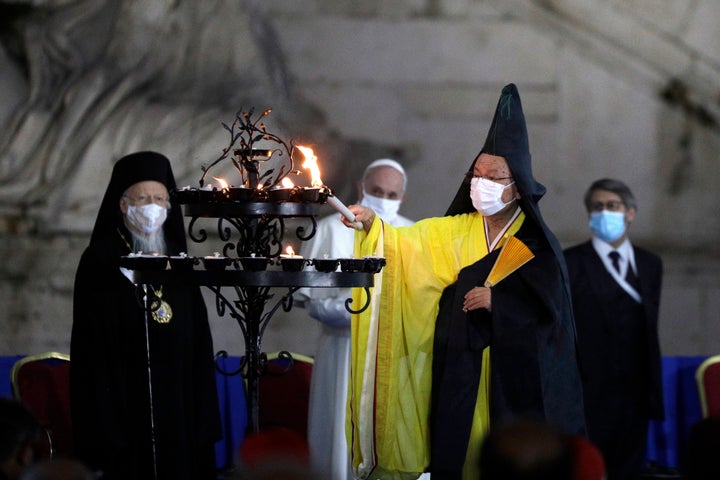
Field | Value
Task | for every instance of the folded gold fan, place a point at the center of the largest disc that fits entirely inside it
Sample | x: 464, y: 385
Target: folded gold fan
x: 513, y: 255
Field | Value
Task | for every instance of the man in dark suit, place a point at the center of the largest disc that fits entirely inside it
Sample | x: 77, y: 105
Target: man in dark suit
x: 616, y: 296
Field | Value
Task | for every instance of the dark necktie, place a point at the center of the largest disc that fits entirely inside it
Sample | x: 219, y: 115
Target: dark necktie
x: 629, y: 275
x: 632, y: 279
x: 615, y: 257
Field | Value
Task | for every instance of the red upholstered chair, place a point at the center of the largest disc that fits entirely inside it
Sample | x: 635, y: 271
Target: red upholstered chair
x: 285, y: 392
x: 707, y: 377
x: 42, y: 383
x: 275, y: 445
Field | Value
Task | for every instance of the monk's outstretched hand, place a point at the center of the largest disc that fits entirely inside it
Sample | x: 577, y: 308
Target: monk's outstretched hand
x: 364, y: 215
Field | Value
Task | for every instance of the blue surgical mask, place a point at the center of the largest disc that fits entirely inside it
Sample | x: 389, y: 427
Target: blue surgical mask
x: 608, y: 226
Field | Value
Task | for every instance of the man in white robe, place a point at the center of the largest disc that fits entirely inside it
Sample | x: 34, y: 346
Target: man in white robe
x: 383, y: 189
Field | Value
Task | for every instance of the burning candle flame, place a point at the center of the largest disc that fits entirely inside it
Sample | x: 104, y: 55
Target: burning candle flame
x: 287, y: 183
x: 311, y: 164
x: 223, y: 184
x: 290, y: 251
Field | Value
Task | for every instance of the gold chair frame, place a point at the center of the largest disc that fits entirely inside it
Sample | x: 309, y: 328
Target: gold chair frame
x: 296, y: 356
x: 15, y: 383
x: 700, y: 380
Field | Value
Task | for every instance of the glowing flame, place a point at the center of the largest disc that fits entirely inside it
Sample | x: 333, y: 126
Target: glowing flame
x: 290, y: 251
x: 310, y: 163
x: 223, y: 184
x: 287, y: 183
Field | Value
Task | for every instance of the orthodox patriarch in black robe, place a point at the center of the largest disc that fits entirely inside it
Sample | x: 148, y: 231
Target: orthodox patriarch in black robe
x: 113, y: 381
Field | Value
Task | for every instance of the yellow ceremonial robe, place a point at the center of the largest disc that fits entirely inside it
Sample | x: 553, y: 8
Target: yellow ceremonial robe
x: 392, y: 343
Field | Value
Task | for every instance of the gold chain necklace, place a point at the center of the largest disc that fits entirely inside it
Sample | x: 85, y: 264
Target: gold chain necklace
x: 163, y: 313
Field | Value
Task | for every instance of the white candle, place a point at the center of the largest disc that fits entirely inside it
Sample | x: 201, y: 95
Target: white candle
x: 340, y: 207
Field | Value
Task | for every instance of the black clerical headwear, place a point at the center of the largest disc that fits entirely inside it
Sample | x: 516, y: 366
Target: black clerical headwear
x: 508, y: 138
x: 129, y: 170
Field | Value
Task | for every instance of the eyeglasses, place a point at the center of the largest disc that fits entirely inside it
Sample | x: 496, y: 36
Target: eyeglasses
x: 469, y: 176
x: 160, y: 200
x: 611, y: 205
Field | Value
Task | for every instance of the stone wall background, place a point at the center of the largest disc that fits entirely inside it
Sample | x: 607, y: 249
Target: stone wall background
x: 417, y: 80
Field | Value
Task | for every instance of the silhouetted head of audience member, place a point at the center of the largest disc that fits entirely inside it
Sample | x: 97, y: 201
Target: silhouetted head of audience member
x: 18, y: 438
x: 587, y: 460
x: 276, y: 453
x: 525, y: 450
x: 704, y: 447
x: 58, y: 469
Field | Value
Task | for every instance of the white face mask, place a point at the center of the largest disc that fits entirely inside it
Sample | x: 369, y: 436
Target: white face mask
x: 486, y: 195
x: 146, y: 218
x: 386, y: 208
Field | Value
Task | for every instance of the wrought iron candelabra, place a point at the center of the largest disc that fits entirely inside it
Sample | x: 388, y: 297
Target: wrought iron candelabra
x: 250, y: 219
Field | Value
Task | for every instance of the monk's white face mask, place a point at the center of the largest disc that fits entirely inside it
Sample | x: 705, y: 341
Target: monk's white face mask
x: 486, y: 195
x: 146, y: 218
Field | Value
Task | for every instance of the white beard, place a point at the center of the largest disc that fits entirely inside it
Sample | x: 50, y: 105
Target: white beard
x: 149, y: 243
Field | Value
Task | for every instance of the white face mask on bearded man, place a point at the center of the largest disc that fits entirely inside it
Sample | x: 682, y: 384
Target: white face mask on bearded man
x: 149, y: 220
x: 146, y: 218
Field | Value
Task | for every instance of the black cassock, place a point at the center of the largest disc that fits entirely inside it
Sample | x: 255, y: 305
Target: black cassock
x: 533, y: 364
x: 110, y: 395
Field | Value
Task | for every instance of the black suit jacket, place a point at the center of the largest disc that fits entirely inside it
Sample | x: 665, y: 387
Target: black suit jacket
x: 590, y: 285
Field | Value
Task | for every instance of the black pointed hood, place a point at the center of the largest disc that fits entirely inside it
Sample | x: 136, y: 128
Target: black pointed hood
x: 506, y: 138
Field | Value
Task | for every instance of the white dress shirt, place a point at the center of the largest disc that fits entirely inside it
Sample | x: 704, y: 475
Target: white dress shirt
x: 627, y: 260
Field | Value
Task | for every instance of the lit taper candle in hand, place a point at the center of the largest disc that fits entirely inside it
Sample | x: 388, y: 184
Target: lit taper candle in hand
x: 334, y: 202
